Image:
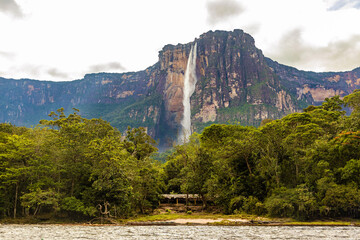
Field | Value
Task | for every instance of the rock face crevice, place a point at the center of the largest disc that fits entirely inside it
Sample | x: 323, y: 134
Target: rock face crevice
x: 235, y: 83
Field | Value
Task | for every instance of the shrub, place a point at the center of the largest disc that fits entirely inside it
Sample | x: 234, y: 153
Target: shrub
x: 277, y: 207
x: 250, y: 205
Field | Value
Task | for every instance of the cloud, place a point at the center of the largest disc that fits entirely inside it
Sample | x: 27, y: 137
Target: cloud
x: 357, y: 5
x: 11, y: 7
x: 343, y: 4
x: 222, y: 10
x: 8, y: 55
x: 335, y: 56
x: 56, y: 73
x: 252, y: 28
x: 37, y: 71
x: 111, y: 66
x: 26, y: 69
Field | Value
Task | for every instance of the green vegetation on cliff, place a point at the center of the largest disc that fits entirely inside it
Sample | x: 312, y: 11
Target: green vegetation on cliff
x: 305, y: 165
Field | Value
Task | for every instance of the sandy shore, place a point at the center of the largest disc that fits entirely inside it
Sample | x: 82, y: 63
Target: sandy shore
x: 204, y: 221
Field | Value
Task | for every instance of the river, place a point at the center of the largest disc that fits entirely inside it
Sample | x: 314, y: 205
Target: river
x: 55, y: 232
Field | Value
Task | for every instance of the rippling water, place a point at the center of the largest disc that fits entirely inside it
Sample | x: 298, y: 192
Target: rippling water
x: 54, y: 232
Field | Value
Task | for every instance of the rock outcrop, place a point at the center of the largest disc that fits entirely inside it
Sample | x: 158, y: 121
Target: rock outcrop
x: 236, y: 83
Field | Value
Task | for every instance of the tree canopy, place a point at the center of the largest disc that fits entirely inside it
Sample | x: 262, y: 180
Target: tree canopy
x: 305, y: 165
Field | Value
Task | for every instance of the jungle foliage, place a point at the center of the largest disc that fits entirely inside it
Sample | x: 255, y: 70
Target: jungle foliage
x: 78, y: 167
x: 305, y: 165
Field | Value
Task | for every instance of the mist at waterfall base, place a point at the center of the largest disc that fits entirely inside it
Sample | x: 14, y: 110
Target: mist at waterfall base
x: 189, y: 88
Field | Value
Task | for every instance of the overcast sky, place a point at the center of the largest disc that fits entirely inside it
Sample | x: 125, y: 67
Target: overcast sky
x: 64, y: 39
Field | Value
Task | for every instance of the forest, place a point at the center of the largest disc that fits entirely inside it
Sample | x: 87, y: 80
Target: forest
x: 305, y: 165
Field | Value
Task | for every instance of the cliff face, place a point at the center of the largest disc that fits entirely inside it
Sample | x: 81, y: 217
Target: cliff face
x: 173, y: 61
x: 236, y: 83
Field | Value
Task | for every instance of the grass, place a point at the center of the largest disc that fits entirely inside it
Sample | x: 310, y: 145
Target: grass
x: 318, y: 223
x: 226, y: 220
x: 173, y: 216
x: 253, y: 220
x: 34, y: 220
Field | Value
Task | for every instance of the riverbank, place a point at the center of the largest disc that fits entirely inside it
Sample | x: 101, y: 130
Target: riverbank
x: 171, y: 219
x: 235, y: 220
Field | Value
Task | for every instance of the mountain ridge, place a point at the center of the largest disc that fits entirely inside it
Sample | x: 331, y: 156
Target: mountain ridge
x: 236, y: 82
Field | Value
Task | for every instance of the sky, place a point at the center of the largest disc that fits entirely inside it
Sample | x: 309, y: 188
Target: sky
x: 62, y: 40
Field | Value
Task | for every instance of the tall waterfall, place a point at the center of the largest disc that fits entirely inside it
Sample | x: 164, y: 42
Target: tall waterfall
x: 189, y: 88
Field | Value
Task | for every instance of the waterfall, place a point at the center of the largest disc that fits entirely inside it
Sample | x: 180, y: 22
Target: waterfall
x: 189, y: 88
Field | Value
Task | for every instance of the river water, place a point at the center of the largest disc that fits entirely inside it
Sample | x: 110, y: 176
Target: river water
x: 54, y: 232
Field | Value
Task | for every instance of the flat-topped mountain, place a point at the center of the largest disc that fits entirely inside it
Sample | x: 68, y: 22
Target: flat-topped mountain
x: 235, y: 83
